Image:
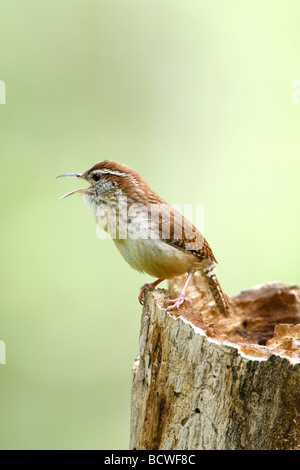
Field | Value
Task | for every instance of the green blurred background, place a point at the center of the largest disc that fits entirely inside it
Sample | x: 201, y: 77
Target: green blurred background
x: 196, y: 96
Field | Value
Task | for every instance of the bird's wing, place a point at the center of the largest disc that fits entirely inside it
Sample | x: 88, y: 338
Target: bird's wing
x: 179, y: 232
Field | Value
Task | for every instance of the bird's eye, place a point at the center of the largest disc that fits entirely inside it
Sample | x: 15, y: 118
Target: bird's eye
x: 96, y: 177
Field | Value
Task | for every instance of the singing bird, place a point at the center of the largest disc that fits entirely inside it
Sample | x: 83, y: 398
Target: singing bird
x: 150, y: 235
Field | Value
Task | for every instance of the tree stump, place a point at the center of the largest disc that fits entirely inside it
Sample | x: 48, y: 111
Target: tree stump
x: 207, y: 382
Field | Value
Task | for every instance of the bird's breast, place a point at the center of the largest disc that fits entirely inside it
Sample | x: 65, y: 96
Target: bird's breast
x: 137, y: 238
x: 155, y: 257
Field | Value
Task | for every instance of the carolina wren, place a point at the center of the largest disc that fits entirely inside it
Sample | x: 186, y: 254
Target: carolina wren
x: 150, y: 235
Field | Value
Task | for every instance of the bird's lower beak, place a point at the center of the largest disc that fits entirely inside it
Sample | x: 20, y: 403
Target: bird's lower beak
x: 80, y: 190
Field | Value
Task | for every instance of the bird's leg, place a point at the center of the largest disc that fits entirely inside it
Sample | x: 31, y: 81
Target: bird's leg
x: 148, y: 286
x: 182, y: 298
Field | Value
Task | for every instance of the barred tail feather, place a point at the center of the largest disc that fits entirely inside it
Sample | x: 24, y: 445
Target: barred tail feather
x: 219, y: 297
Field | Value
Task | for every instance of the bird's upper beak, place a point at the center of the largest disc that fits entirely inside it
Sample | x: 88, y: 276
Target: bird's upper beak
x: 74, y: 175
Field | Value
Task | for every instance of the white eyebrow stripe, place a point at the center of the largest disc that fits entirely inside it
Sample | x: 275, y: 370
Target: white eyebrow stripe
x: 116, y: 173
x: 113, y: 172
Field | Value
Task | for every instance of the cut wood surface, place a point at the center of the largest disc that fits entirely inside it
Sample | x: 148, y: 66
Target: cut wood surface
x: 202, y: 381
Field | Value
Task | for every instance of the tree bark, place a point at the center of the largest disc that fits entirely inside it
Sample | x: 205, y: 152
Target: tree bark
x: 206, y: 382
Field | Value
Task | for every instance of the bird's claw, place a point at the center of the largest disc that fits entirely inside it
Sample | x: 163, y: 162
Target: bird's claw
x: 148, y: 287
x: 142, y: 292
x: 178, y: 302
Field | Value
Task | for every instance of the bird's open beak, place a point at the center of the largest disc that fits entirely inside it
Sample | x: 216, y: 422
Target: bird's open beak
x: 73, y: 175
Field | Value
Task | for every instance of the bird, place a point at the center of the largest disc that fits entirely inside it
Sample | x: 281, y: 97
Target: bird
x: 150, y: 234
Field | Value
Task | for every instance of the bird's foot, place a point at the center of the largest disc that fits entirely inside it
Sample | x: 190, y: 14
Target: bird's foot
x: 178, y: 302
x: 147, y: 287
x: 142, y: 292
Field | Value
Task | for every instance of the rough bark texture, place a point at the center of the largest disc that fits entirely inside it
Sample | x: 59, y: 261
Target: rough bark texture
x: 205, y: 382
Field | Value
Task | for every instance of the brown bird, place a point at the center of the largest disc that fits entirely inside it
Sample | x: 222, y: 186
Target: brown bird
x: 150, y: 235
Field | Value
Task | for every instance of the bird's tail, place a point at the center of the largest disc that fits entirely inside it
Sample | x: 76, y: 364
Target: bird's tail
x: 220, y: 298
